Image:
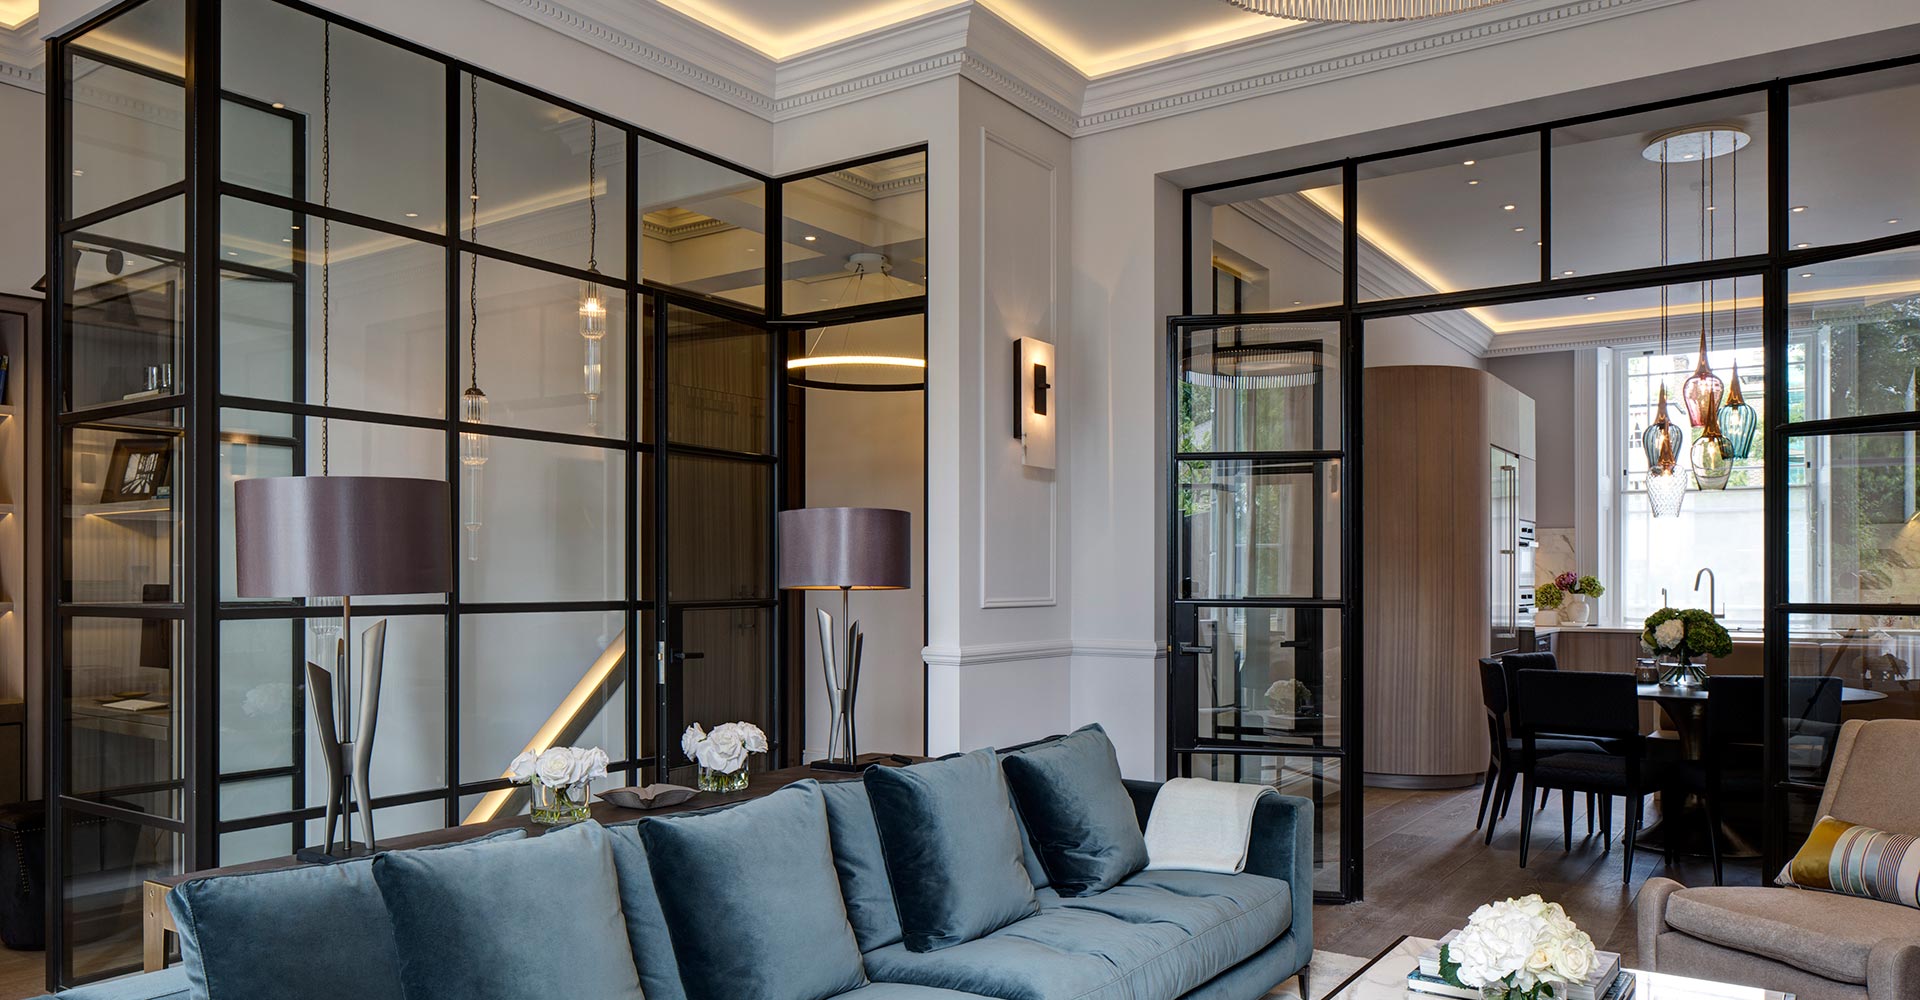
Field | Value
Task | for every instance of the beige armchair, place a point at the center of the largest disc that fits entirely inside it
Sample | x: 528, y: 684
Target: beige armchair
x: 1818, y: 945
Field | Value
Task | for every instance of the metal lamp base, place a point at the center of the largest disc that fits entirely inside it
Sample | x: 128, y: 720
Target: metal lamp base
x: 842, y: 766
x: 347, y: 750
x: 843, y: 686
x: 319, y: 856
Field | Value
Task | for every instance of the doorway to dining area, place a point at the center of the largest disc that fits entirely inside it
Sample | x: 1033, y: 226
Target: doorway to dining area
x: 1658, y: 362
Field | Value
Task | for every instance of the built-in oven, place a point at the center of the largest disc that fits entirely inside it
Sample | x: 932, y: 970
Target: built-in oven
x: 1525, y: 550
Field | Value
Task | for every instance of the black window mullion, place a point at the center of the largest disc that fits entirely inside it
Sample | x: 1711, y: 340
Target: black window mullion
x: 453, y: 203
x: 637, y: 527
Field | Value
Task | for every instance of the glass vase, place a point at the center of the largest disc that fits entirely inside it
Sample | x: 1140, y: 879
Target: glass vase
x: 1679, y: 671
x: 566, y: 804
x: 723, y: 781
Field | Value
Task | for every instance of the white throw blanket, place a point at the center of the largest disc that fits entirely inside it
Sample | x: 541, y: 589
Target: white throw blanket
x: 1202, y: 825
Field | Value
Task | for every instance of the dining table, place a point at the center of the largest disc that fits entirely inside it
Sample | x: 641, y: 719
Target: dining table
x: 1686, y: 706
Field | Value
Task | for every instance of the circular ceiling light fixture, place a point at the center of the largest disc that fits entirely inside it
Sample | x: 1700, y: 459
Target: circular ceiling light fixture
x: 1359, y: 11
x: 836, y: 360
x: 1690, y: 144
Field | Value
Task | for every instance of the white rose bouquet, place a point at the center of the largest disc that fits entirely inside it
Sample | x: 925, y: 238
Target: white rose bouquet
x: 722, y: 753
x: 1518, y: 949
x: 559, y: 776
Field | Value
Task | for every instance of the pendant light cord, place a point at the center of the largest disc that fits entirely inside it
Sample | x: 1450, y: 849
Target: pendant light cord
x: 326, y: 232
x: 473, y: 233
x: 1665, y: 257
x: 593, y: 209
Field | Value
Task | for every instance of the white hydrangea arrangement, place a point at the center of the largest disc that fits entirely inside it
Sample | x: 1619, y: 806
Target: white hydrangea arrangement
x: 1518, y: 949
x: 559, y: 767
x: 725, y: 749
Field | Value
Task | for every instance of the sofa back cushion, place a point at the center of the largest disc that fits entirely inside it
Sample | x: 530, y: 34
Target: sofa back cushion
x: 646, y: 921
x: 1871, y: 779
x: 861, y: 864
x: 952, y: 848
x: 509, y: 920
x: 253, y: 935
x: 1078, y: 812
x: 752, y: 900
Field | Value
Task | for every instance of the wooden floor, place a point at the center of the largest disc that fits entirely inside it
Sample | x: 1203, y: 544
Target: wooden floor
x: 22, y: 974
x: 1426, y: 870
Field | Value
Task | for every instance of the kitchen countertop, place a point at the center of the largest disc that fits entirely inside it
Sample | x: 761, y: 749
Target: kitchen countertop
x: 1739, y: 634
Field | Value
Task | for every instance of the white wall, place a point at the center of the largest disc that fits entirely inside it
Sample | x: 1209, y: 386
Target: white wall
x: 1405, y: 340
x: 23, y: 205
x: 1548, y: 378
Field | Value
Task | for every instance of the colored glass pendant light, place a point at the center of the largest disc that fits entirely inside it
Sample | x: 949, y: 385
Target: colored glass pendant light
x: 1702, y: 391
x: 1662, y: 441
x: 1738, y: 420
x: 1712, y: 465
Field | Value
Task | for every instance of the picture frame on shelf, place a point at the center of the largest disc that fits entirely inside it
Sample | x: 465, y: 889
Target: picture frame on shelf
x: 138, y: 470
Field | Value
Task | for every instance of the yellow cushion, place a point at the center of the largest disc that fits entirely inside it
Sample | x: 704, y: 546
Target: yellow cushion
x: 1857, y: 860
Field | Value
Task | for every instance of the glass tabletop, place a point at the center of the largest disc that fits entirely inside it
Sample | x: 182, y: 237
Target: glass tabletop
x: 1385, y: 978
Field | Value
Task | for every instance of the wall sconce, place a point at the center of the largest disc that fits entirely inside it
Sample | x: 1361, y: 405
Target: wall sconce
x: 1036, y: 405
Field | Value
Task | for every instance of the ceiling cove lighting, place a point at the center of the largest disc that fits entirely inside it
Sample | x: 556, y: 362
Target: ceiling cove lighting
x: 1359, y: 11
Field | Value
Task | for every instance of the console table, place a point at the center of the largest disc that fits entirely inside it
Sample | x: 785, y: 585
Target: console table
x: 156, y: 921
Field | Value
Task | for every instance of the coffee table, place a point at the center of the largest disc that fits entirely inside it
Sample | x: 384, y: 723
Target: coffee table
x: 1385, y: 978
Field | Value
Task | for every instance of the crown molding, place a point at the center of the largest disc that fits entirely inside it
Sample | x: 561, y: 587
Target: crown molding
x: 23, y: 56
x: 971, y: 41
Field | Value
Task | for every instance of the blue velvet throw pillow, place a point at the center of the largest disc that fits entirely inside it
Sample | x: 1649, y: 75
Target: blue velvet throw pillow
x: 861, y: 864
x: 508, y: 921
x: 316, y: 931
x: 752, y: 901
x: 1077, y: 811
x: 952, y: 848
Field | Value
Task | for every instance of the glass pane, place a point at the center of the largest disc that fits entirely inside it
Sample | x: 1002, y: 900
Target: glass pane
x: 243, y: 846
x: 718, y: 548
x: 550, y: 523
x: 1267, y: 387
x: 127, y: 105
x: 1607, y: 190
x: 576, y: 697
x: 1450, y: 219
x: 388, y: 115
x: 1259, y: 529
x: 1268, y: 675
x: 385, y: 347
x: 1862, y: 317
x: 410, y: 753
x: 123, y: 694
x: 702, y: 225
x: 856, y: 235
x: 1857, y: 538
x: 717, y: 382
x: 393, y: 822
x: 123, y: 334
x: 1850, y: 149
x: 254, y: 443
x: 537, y: 161
x: 106, y: 862
x: 726, y: 676
x: 1270, y: 245
x: 877, y: 354
x: 123, y: 534
x: 262, y: 711
x: 1319, y: 779
x: 537, y: 366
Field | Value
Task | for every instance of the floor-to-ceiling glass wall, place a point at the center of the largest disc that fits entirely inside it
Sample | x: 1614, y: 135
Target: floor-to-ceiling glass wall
x: 1746, y: 232
x: 371, y: 235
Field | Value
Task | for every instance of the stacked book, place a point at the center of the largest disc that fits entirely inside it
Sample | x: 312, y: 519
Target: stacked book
x: 1608, y: 981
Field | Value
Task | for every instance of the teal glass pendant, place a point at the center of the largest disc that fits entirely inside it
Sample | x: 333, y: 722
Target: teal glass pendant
x: 1738, y: 421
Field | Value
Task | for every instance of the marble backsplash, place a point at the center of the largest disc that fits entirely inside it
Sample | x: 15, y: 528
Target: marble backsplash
x: 1552, y: 555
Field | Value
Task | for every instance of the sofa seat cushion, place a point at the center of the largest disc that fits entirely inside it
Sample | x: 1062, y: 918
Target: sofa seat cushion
x: 167, y: 984
x: 1157, y: 935
x: 1826, y: 934
x: 904, y: 991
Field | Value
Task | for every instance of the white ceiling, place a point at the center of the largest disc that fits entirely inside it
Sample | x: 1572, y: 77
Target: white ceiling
x: 1095, y: 36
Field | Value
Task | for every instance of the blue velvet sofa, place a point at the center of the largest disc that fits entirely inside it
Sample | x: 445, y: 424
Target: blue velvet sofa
x: 1156, y: 935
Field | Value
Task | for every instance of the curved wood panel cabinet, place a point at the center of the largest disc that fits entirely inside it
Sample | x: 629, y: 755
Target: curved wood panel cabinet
x: 1430, y: 431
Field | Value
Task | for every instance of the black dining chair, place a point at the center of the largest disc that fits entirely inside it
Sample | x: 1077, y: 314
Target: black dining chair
x: 1503, y: 747
x: 1732, y: 754
x: 1813, y: 726
x: 1599, y: 708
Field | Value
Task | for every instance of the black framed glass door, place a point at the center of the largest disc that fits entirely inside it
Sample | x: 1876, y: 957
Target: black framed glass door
x: 1260, y: 612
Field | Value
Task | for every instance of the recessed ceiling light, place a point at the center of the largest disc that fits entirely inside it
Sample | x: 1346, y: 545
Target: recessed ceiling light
x: 1801, y: 246
x: 1590, y: 298
x: 413, y: 215
x: 1568, y: 273
x: 79, y: 173
x: 296, y: 229
x: 1473, y: 182
x: 233, y: 253
x: 286, y: 239
x: 1806, y: 274
x: 1686, y: 156
x: 809, y: 238
x: 1893, y: 222
x: 1296, y: 302
x: 1506, y: 208
x: 1713, y: 208
x: 1799, y: 208
x: 1468, y: 163
x: 277, y: 106
x: 1519, y: 229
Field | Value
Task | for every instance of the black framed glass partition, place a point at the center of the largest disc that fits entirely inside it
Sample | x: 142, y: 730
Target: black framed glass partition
x: 367, y: 230
x: 1795, y: 251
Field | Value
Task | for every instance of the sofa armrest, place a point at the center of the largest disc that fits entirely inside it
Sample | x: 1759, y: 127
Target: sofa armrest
x: 1282, y: 847
x: 1893, y: 969
x: 1143, y: 793
x: 1650, y: 918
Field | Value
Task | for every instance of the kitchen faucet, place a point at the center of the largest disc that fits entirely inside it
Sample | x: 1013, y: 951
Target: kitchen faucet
x: 1663, y: 598
x: 1712, y: 585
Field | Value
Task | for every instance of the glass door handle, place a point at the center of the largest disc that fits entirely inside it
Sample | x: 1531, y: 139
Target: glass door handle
x: 1187, y: 647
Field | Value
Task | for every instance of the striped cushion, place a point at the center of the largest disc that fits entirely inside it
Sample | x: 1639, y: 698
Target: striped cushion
x: 1857, y: 860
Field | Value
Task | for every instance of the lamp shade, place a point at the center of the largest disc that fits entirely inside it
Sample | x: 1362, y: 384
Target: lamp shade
x: 860, y: 548
x: 341, y: 536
